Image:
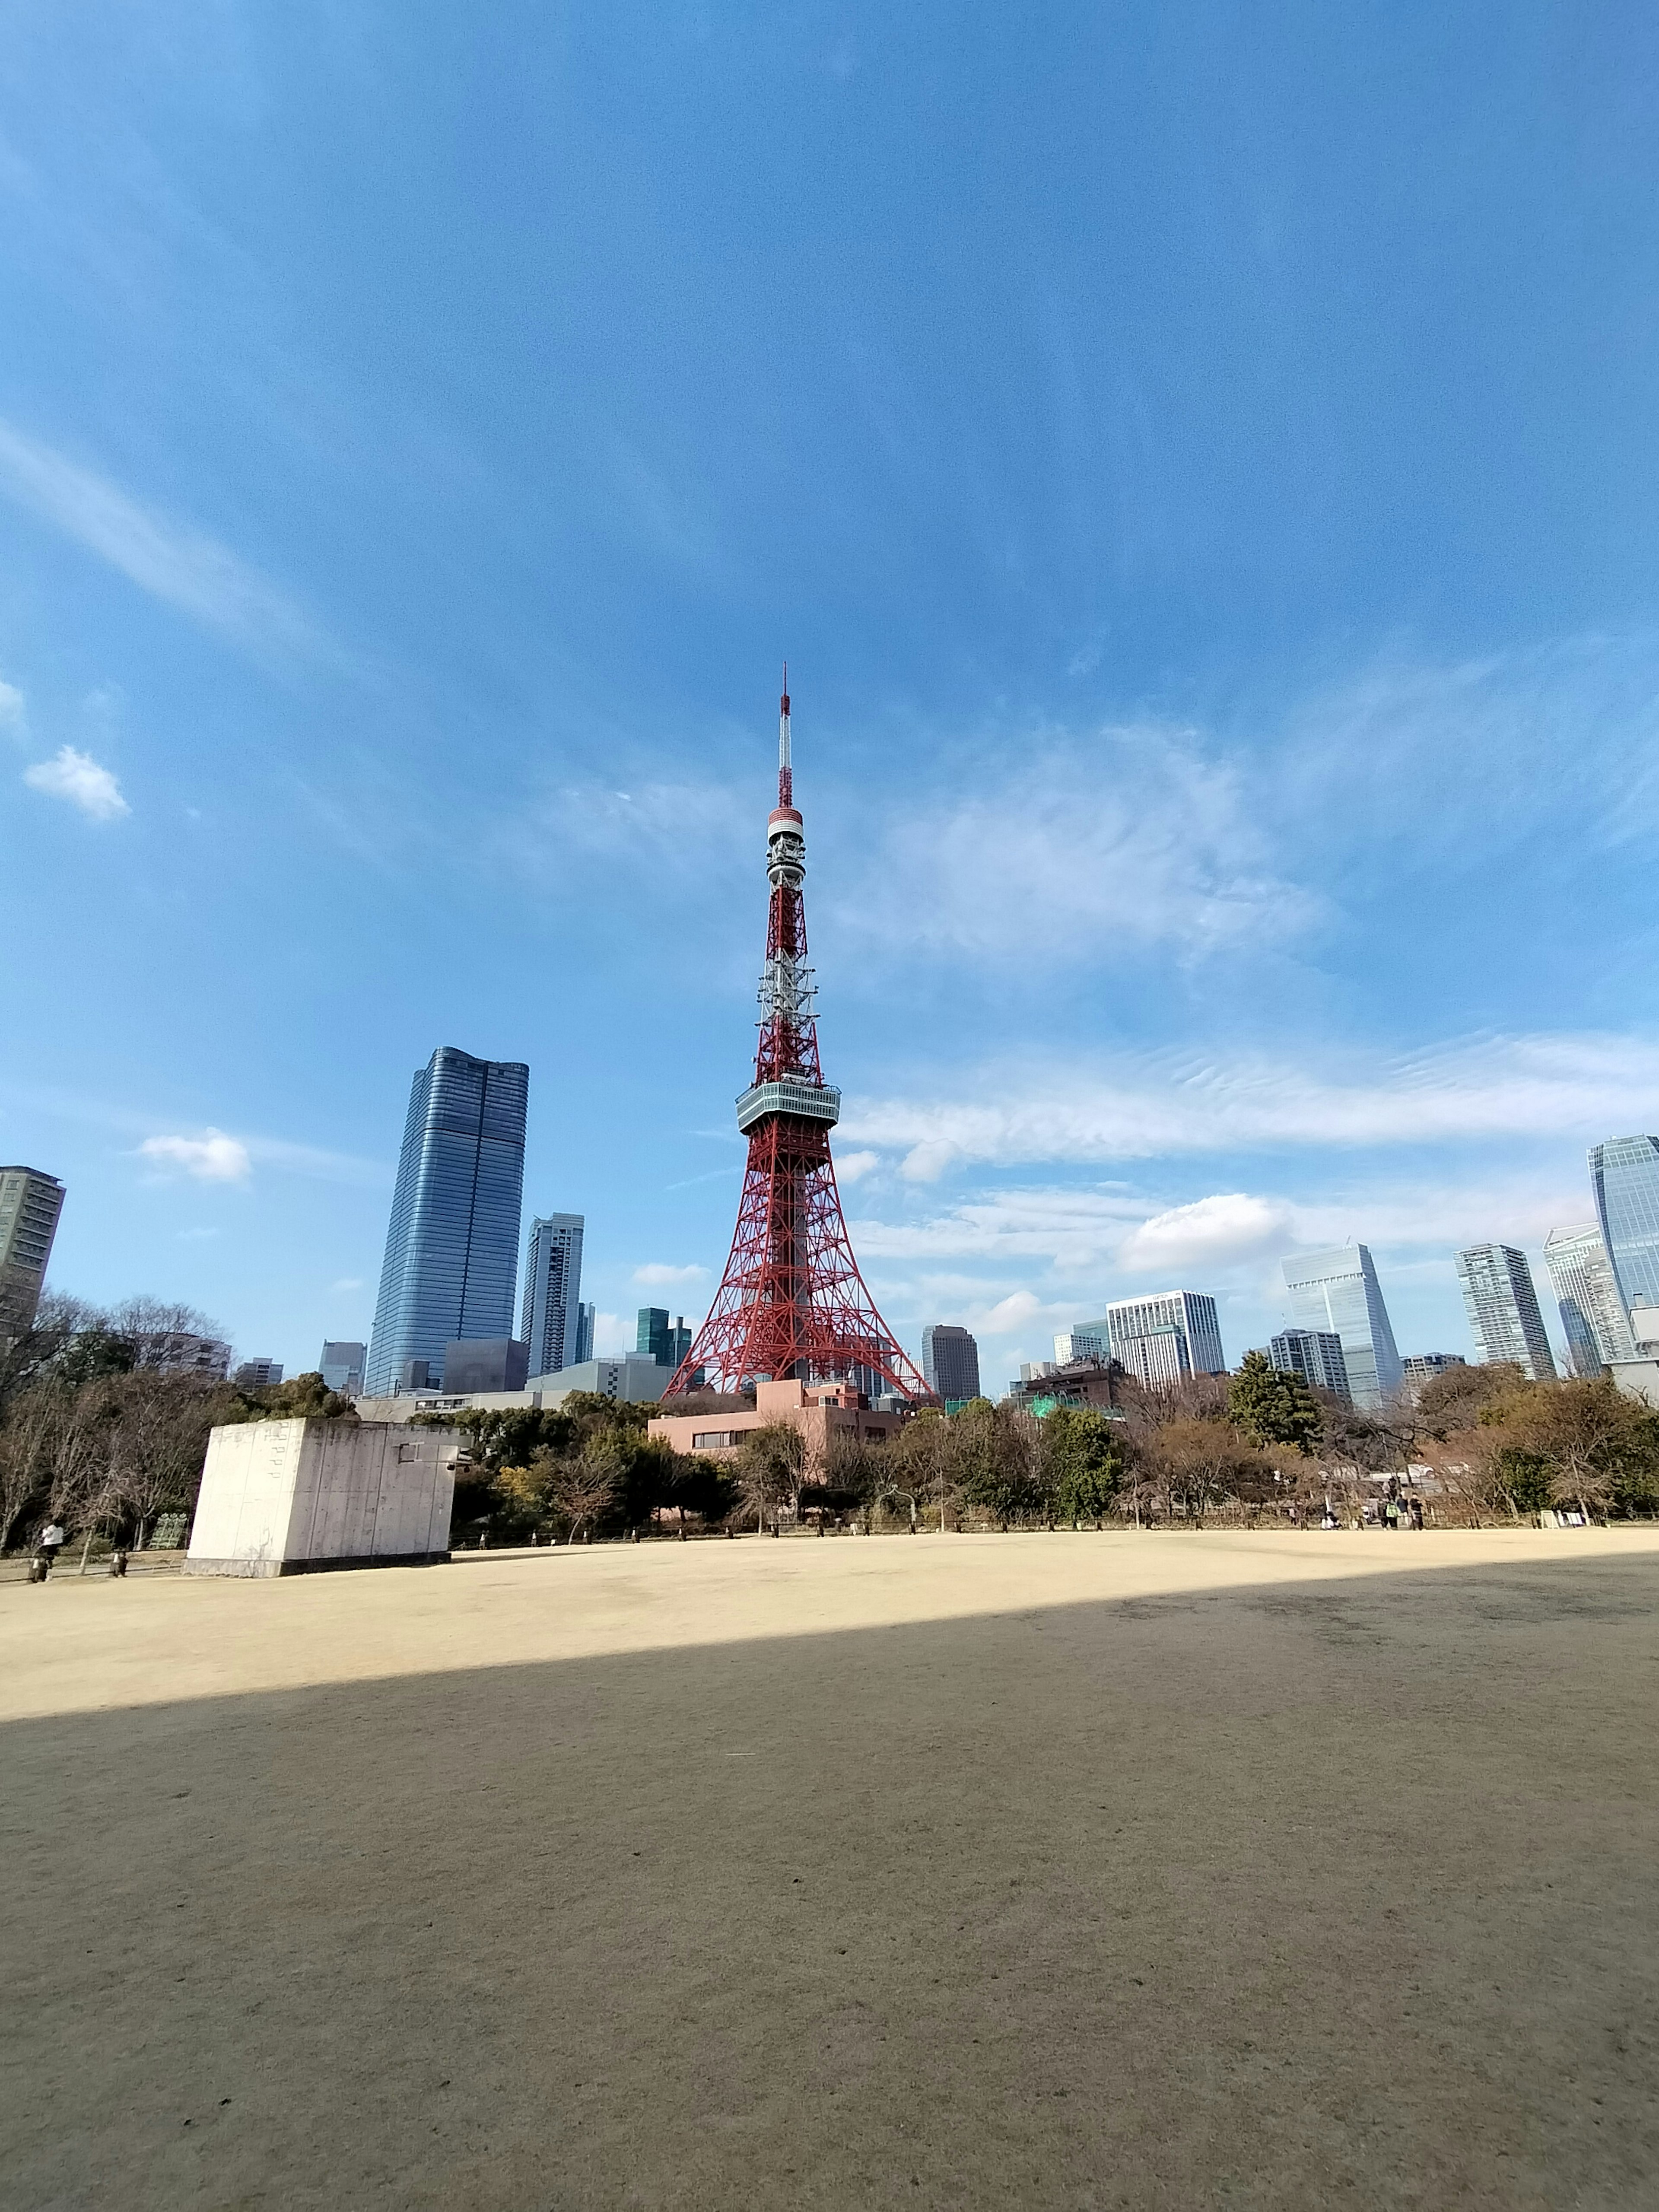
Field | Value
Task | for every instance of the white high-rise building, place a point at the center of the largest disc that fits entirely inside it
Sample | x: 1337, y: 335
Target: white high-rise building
x: 1503, y: 1308
x: 1084, y: 1340
x: 1337, y: 1289
x: 551, y: 1322
x: 1162, y: 1339
x: 1593, y: 1316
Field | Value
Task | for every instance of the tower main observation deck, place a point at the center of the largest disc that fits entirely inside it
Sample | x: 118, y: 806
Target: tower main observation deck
x: 792, y: 1305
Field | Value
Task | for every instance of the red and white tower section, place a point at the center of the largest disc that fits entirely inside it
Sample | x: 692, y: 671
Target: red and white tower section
x: 792, y: 1305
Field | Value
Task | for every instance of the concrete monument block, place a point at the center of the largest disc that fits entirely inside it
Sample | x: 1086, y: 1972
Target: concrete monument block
x: 292, y: 1497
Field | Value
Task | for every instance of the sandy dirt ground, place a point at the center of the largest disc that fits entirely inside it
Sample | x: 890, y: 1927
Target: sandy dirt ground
x: 1061, y: 1870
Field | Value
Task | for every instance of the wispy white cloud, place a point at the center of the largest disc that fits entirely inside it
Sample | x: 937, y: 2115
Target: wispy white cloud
x: 76, y: 777
x: 175, y: 562
x: 1133, y: 837
x: 1215, y: 1231
x: 12, y: 719
x: 212, y: 1157
x: 1098, y: 1235
x: 1564, y: 1085
x: 853, y: 1167
x: 657, y: 1274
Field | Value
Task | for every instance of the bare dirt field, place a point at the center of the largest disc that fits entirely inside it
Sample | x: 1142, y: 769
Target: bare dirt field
x: 1064, y: 1870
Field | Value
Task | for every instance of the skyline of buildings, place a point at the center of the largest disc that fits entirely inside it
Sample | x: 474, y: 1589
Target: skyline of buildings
x: 1502, y: 1304
x: 451, y: 1269
x: 1336, y: 1288
x: 451, y: 1193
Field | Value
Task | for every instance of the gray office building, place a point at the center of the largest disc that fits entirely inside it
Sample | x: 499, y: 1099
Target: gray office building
x: 1593, y: 1316
x: 1422, y: 1367
x: 1337, y: 1290
x: 452, y: 1246
x: 550, y: 1322
x: 258, y: 1374
x: 586, y: 1317
x: 1162, y: 1339
x: 1315, y: 1354
x: 1502, y: 1309
x: 949, y: 1362
x: 30, y: 1203
x: 341, y: 1367
x: 483, y: 1363
x: 1625, y: 1176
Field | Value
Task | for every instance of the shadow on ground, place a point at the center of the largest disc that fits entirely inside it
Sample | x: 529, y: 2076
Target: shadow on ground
x: 1277, y: 1897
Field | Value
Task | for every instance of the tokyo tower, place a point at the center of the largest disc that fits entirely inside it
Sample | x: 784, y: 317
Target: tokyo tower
x: 792, y: 1305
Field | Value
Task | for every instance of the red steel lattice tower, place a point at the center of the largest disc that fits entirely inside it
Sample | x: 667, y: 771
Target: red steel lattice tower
x: 792, y: 1304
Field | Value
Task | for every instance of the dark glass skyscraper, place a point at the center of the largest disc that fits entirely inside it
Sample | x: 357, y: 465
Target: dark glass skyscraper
x: 950, y: 1361
x: 1625, y: 1176
x: 452, y: 1249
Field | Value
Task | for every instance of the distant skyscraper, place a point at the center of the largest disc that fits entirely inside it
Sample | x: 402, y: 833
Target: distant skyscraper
x: 342, y: 1368
x: 950, y: 1361
x: 1084, y: 1340
x: 657, y: 1338
x: 1625, y: 1176
x: 1421, y: 1366
x: 1315, y: 1354
x: 550, y: 1323
x: 451, y: 1248
x: 1593, y: 1316
x: 586, y: 1317
x: 30, y: 1203
x: 258, y: 1374
x: 1502, y: 1309
x: 1162, y: 1339
x: 1337, y: 1289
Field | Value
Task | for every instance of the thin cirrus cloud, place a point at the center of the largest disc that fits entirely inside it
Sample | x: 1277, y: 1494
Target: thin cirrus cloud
x: 183, y: 567
x: 1157, y: 844
x: 1571, y: 1086
x: 82, y: 781
x: 660, y: 1275
x: 12, y: 716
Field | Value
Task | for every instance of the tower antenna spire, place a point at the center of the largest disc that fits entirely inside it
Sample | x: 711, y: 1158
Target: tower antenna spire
x: 785, y: 772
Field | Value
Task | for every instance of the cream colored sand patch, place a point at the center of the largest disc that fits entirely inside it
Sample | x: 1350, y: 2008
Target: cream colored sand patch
x: 80, y: 1646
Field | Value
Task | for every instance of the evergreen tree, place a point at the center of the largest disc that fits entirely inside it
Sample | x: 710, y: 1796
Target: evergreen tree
x: 1083, y: 1460
x: 1273, y: 1408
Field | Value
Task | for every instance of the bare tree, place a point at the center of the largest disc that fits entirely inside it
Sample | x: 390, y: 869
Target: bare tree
x: 771, y: 1461
x: 1202, y: 1461
x: 584, y: 1488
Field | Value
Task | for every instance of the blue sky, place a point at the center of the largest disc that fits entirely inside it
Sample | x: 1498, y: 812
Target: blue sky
x: 1199, y: 463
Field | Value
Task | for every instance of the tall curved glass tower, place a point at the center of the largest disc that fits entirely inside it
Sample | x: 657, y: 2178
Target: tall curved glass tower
x: 451, y: 1248
x: 1625, y: 1176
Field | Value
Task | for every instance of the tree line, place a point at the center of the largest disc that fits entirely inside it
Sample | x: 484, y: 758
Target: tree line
x: 97, y: 1431
x: 1256, y: 1443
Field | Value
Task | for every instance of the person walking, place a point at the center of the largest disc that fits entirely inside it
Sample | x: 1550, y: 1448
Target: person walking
x: 48, y: 1545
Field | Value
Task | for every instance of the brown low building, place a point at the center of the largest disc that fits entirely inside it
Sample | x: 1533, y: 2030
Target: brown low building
x: 819, y: 1409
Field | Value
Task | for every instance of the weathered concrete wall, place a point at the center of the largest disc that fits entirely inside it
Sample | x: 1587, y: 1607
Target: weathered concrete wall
x: 294, y: 1497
